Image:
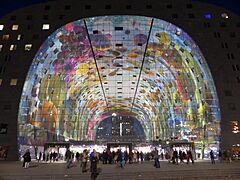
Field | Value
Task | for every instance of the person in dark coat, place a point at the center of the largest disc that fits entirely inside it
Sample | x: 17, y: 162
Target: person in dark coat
x: 26, y: 159
x: 94, y: 161
x: 212, y: 157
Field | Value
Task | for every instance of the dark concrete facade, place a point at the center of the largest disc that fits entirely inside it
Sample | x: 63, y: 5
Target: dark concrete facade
x: 218, y: 39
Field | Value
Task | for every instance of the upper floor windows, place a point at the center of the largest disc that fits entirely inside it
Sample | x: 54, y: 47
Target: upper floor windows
x: 45, y: 26
x: 1, y: 27
x: 15, y: 27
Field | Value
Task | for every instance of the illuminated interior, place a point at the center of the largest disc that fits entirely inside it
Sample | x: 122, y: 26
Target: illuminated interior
x: 135, y: 66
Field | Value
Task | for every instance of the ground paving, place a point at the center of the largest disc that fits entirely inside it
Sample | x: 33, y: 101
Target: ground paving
x: 54, y: 171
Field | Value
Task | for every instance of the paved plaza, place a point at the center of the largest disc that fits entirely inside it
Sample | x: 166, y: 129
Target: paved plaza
x: 145, y: 170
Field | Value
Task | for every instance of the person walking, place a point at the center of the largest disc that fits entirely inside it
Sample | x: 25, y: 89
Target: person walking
x: 156, y: 158
x: 212, y: 157
x: 94, y: 162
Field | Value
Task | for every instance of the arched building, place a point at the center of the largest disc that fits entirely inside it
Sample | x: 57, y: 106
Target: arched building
x: 68, y: 66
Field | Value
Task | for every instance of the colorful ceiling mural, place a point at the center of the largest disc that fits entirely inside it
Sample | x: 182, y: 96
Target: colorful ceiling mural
x: 129, y: 65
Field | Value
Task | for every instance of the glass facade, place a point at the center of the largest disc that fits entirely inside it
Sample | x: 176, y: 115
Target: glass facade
x: 135, y: 66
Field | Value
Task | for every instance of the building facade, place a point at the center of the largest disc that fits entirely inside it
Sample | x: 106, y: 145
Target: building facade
x: 33, y: 34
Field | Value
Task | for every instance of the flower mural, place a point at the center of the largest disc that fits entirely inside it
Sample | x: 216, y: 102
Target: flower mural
x: 132, y: 65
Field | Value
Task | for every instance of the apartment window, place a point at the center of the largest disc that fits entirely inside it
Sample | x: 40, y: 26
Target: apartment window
x: 30, y: 26
x: 45, y: 26
x: 191, y: 16
x: 224, y: 15
x: 35, y: 36
x: 223, y: 24
x: 61, y: 17
x: 232, y: 34
x: 13, y: 82
x: 1, y: 82
x: 149, y: 6
x: 175, y: 16
x: 28, y: 47
x: 1, y: 27
x: 1, y: 47
x: 87, y: 6
x: 128, y: 7
x: 189, y: 6
x: 207, y: 24
x: 13, y: 47
x: 238, y: 79
x: 67, y: 7
x: 29, y: 17
x: 15, y: 27
x: 224, y: 45
x: 47, y: 7
x: 217, y: 35
x: 5, y: 37
x: 45, y: 17
x: 108, y: 6
x: 13, y: 18
x: 228, y: 93
x: 169, y: 6
x: 238, y: 45
x: 208, y: 16
x: 232, y: 106
x: 19, y: 37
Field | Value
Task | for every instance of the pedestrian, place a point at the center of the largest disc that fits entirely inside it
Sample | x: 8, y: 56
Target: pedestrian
x: 220, y: 156
x: 212, y: 157
x: 26, y: 159
x: 68, y: 156
x: 84, y: 160
x: 40, y: 156
x: 94, y: 161
x: 156, y: 158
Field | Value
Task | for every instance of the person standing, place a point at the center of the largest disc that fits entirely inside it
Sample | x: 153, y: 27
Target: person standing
x: 84, y: 160
x: 40, y: 156
x: 26, y: 159
x: 220, y: 156
x: 212, y: 157
x: 68, y: 156
x: 94, y: 162
x: 156, y: 158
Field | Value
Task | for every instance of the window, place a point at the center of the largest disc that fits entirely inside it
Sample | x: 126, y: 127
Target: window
x: 175, y: 16
x: 232, y: 106
x: 87, y: 6
x: 223, y: 24
x: 45, y: 17
x: 13, y: 47
x: 28, y: 47
x: 13, y: 82
x: 191, y: 16
x: 169, y: 6
x: 1, y: 27
x: 35, y: 36
x: 128, y: 7
x: 67, y: 7
x: 189, y: 6
x: 45, y: 26
x: 5, y: 37
x: 228, y: 93
x: 1, y: 47
x: 15, y: 27
x: 232, y: 34
x: 13, y: 18
x: 108, y: 6
x: 19, y: 37
x: 149, y: 6
x: 224, y: 16
x: 29, y: 17
x: 47, y: 7
x: 208, y: 16
x: 1, y: 82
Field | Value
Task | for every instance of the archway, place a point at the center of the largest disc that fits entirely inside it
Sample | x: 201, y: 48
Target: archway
x: 133, y: 65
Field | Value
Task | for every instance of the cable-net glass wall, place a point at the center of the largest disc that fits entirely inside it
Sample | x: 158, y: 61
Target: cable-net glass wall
x: 129, y: 65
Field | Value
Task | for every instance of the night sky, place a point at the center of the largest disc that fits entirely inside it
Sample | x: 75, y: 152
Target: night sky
x: 7, y: 6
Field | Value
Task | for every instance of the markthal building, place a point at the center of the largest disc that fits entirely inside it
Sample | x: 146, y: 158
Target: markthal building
x: 113, y: 74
